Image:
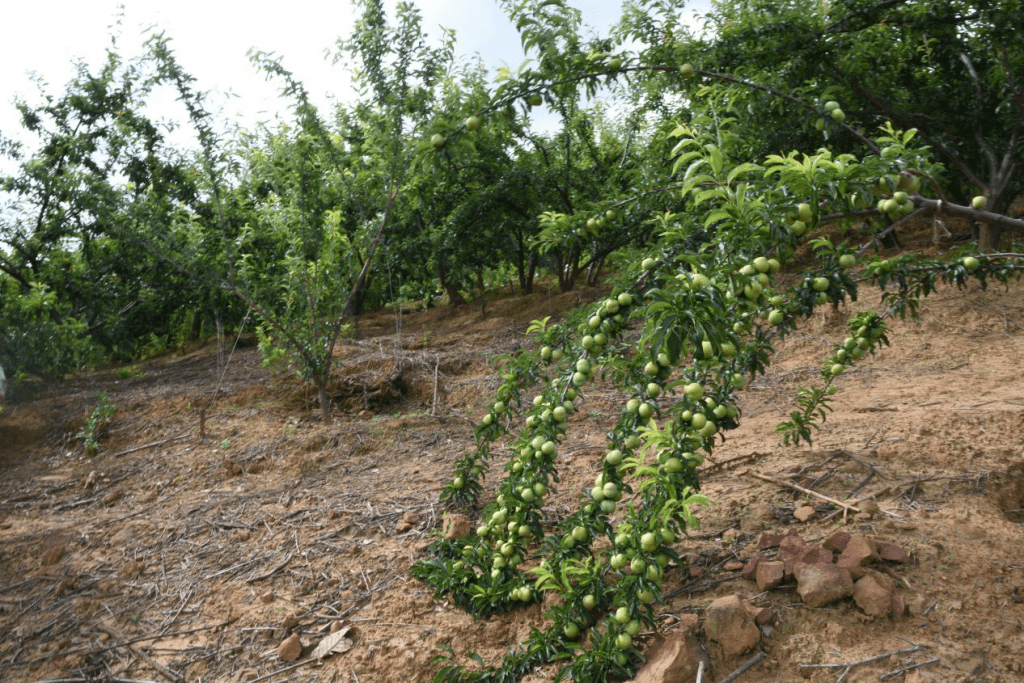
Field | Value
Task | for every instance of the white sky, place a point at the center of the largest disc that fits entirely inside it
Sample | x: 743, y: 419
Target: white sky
x: 211, y: 38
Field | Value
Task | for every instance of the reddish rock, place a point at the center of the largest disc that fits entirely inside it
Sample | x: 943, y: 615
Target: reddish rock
x: 455, y: 525
x: 891, y: 551
x: 749, y: 570
x: 673, y: 660
x: 760, y: 615
x: 837, y: 541
x: 859, y: 551
x: 770, y: 574
x: 852, y: 565
x: 805, y: 513
x: 733, y: 566
x: 727, y: 622
x: 873, y: 593
x: 290, y: 649
x: 769, y: 541
x: 899, y: 605
x: 822, y: 584
x: 792, y: 547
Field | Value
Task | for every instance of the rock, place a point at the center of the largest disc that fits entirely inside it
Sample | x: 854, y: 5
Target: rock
x: 805, y: 513
x: 673, y: 660
x: 749, y: 570
x: 365, y: 415
x: 760, y: 615
x: 792, y: 547
x: 727, y: 622
x: 242, y: 534
x: 769, y: 541
x: 731, y: 535
x: 290, y: 649
x: 290, y: 622
x: 733, y: 566
x: 859, y: 551
x: 410, y: 519
x: 891, y: 551
x: 837, y: 541
x: 688, y: 623
x: 267, y: 598
x: 822, y: 584
x: 111, y: 498
x: 899, y: 605
x: 770, y: 574
x: 873, y: 593
x: 455, y: 525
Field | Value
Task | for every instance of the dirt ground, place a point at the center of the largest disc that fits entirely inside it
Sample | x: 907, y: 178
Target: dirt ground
x: 219, y: 516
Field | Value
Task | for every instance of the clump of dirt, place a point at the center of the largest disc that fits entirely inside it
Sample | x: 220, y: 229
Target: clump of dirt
x: 231, y: 555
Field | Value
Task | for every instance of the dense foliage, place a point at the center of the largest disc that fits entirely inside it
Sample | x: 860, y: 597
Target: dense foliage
x: 732, y: 180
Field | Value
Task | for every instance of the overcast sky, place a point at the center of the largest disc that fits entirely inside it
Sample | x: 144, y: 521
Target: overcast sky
x: 211, y: 38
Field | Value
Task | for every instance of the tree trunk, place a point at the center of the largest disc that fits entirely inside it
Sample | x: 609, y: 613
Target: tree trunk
x: 325, y: 401
x: 454, y: 297
x: 197, y: 325
x: 989, y: 237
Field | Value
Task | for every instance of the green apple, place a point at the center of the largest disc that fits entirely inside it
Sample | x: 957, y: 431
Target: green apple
x: 804, y: 212
x: 437, y: 140
x: 979, y: 202
x: 473, y: 123
x: 686, y: 71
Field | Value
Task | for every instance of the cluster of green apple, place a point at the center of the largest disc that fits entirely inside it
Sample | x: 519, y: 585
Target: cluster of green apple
x: 866, y: 331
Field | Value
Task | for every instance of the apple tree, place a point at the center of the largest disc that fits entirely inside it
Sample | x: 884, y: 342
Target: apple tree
x: 688, y: 322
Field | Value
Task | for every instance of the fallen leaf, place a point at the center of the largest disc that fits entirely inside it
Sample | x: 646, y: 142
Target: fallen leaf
x: 336, y: 643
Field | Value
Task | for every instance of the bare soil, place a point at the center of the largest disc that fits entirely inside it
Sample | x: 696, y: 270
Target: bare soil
x: 221, y: 517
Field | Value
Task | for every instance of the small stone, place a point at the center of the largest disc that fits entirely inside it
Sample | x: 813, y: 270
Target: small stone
x: 733, y: 566
x: 676, y: 658
x: 873, y: 593
x: 870, y: 507
x: 731, y: 535
x: 290, y: 622
x: 837, y: 541
x: 688, y: 623
x: 365, y: 415
x: 760, y: 615
x: 770, y: 574
x: 727, y: 622
x: 290, y: 649
x: 111, y: 498
x: 749, y: 570
x: 769, y: 541
x: 892, y: 552
x: 455, y: 525
x: 410, y: 519
x: 242, y: 534
x: 805, y: 513
x: 822, y: 584
x: 859, y: 551
x: 792, y: 547
x: 267, y: 597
